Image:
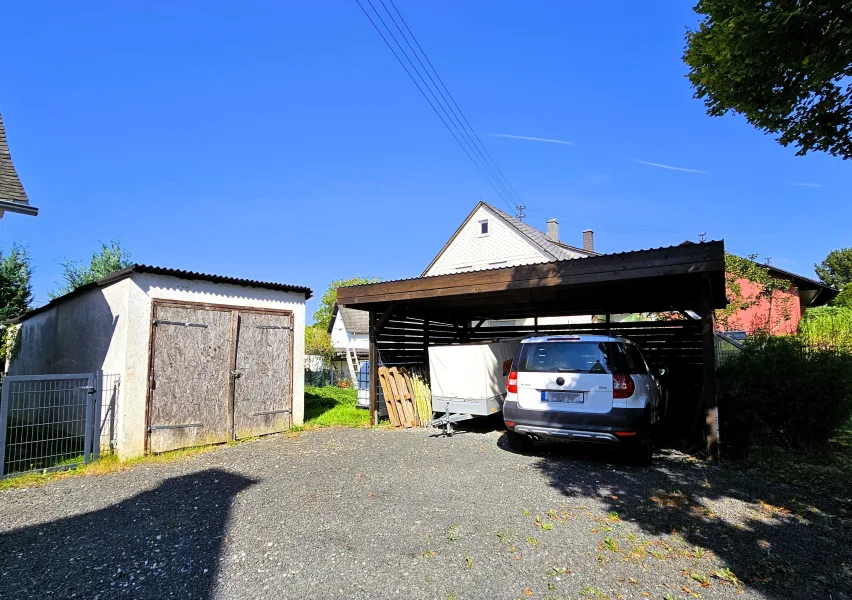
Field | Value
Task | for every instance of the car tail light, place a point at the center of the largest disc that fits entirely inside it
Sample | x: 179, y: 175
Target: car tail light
x: 622, y: 386
x: 512, y: 383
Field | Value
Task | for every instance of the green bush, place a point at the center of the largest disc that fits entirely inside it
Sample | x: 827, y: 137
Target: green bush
x: 782, y: 391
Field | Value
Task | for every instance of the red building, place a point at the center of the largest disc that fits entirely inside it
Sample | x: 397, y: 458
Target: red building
x: 780, y: 314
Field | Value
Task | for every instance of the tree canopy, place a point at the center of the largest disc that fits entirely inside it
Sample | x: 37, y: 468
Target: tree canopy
x: 16, y: 295
x: 109, y: 259
x: 16, y: 291
x: 322, y: 316
x: 836, y: 269
x: 785, y: 66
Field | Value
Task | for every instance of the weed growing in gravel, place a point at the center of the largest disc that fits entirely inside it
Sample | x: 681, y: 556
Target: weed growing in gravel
x: 468, y: 559
x: 727, y: 575
x: 452, y: 534
x: 554, y: 571
x: 592, y: 592
x: 700, y: 579
x: 612, y: 516
x: 546, y: 526
x: 610, y: 544
x: 532, y: 541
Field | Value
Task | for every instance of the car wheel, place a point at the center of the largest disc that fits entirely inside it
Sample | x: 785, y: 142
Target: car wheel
x: 643, y: 454
x: 519, y: 442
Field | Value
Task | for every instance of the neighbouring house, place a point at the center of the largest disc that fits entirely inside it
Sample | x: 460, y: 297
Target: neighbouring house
x: 349, y: 330
x: 489, y: 238
x: 201, y: 358
x: 13, y: 198
x: 781, y: 314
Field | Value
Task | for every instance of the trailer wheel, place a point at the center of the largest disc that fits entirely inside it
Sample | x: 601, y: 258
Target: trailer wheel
x: 519, y: 442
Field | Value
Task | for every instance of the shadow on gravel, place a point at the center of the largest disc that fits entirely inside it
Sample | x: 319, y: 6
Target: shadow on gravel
x: 783, y: 542
x: 165, y: 542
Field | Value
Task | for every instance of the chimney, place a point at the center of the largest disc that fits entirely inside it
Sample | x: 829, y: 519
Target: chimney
x: 589, y: 240
x: 552, y: 230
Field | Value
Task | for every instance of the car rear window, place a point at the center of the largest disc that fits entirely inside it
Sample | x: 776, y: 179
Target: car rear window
x: 593, y: 358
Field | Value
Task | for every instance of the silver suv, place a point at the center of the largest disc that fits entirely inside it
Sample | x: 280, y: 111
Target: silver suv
x: 583, y: 388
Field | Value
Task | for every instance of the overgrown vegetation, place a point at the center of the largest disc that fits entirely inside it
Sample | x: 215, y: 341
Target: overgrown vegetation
x: 780, y: 391
x: 761, y: 287
x: 828, y: 327
x: 109, y: 259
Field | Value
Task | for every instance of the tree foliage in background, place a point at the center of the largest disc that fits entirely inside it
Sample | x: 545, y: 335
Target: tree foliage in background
x: 318, y: 342
x: 16, y: 294
x: 739, y: 268
x: 109, y: 259
x: 317, y: 338
x: 322, y: 316
x: 844, y: 298
x: 785, y: 66
x: 836, y: 269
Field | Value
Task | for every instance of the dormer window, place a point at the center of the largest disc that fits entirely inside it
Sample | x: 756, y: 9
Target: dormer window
x: 483, y: 228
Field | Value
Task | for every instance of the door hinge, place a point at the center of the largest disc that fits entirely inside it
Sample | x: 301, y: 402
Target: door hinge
x: 182, y: 324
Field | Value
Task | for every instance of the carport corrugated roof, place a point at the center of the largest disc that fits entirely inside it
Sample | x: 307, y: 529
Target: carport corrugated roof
x: 659, y: 279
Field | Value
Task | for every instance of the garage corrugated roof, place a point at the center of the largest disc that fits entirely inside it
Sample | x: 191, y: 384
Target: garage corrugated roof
x: 179, y: 273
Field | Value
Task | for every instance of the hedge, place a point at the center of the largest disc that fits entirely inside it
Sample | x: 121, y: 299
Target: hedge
x: 782, y: 391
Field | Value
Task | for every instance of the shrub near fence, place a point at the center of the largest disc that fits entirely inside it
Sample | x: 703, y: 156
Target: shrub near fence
x: 782, y: 390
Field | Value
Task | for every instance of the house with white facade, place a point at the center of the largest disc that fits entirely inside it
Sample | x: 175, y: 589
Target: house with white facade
x: 349, y: 330
x: 490, y: 238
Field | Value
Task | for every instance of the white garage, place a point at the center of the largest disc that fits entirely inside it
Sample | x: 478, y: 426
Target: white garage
x: 197, y: 358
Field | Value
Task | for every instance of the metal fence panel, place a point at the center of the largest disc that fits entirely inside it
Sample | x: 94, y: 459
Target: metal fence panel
x: 49, y: 422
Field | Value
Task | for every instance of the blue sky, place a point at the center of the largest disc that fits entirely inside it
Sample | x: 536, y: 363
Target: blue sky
x: 282, y: 141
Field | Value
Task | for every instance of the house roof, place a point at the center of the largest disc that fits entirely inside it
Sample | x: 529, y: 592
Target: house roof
x: 11, y: 190
x: 355, y: 321
x: 554, y: 250
x: 181, y: 274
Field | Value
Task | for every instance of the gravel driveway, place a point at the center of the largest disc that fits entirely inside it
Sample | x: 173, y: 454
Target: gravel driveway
x: 360, y: 513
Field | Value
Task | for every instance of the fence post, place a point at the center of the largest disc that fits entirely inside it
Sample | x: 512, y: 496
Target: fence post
x: 90, y: 414
x: 96, y: 424
x: 4, y: 419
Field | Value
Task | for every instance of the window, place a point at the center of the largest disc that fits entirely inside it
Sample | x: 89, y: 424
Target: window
x: 483, y: 227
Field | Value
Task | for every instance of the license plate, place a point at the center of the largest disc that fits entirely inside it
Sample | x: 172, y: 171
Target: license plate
x: 564, y: 397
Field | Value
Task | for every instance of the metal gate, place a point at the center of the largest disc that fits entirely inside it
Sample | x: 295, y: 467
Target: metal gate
x: 48, y: 422
x: 217, y: 373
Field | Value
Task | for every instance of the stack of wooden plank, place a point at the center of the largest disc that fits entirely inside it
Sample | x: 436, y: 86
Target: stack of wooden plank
x: 407, y: 396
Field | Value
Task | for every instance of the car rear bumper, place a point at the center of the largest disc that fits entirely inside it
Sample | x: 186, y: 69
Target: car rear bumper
x: 576, y: 426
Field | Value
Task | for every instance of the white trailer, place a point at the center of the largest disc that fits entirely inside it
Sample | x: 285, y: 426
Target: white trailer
x: 469, y: 380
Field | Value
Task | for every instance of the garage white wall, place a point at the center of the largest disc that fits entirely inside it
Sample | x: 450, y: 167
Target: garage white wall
x: 143, y: 288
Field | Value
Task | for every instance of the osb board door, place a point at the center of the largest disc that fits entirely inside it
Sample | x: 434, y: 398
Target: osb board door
x: 263, y: 389
x: 189, y: 395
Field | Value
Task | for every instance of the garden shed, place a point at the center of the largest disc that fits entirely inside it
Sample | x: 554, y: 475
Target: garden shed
x: 196, y: 358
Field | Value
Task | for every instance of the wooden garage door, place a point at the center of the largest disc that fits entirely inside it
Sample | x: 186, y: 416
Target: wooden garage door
x: 218, y: 373
x: 263, y: 388
x: 189, y: 383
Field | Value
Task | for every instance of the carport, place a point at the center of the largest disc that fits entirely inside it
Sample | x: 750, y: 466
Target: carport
x: 410, y: 315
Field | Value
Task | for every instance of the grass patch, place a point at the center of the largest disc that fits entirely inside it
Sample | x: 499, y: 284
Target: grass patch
x: 333, y: 407
x: 105, y: 466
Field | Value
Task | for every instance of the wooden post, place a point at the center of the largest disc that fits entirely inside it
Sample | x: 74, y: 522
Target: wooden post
x: 535, y: 324
x: 426, y: 343
x: 374, y: 370
x: 708, y: 389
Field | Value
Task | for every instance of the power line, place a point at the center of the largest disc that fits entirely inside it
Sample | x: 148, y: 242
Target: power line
x: 460, y: 113
x: 465, y: 145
